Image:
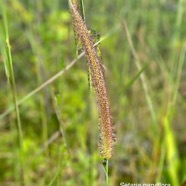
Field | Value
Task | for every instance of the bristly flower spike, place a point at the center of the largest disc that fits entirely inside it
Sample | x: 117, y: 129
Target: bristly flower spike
x: 107, y: 137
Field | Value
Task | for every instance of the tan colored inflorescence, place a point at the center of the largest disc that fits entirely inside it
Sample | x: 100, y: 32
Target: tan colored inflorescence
x: 96, y: 71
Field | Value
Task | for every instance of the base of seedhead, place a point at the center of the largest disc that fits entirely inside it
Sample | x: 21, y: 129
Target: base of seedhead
x: 105, y: 166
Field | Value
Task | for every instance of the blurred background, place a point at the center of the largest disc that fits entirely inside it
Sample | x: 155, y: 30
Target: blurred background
x: 144, y: 59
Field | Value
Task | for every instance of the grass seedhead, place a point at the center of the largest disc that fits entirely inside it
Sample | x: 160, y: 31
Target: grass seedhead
x: 96, y: 71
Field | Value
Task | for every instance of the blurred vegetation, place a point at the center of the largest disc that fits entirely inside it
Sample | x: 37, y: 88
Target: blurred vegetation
x: 144, y: 58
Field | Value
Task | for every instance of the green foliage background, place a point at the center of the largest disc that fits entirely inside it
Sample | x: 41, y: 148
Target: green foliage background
x: 60, y: 122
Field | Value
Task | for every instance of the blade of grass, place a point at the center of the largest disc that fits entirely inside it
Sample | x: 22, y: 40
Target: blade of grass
x: 82, y: 9
x: 35, y: 43
x: 142, y: 77
x: 129, y: 84
x: 170, y: 142
x: 55, y: 178
x: 8, y: 63
x: 176, y: 37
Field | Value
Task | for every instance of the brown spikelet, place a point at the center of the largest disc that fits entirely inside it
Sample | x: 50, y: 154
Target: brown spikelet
x: 97, y: 78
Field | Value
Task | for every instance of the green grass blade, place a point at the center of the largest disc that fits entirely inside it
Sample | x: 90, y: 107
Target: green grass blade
x: 8, y: 63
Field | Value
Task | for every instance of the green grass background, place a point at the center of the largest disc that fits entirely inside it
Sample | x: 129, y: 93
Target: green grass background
x: 56, y: 141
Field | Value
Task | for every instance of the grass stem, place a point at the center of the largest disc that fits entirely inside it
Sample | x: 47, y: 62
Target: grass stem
x: 106, y: 170
x: 8, y: 63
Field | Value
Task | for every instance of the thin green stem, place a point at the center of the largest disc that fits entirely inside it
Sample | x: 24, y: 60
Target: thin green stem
x: 82, y: 9
x: 54, y: 178
x: 35, y: 42
x: 142, y: 76
x: 105, y: 166
x: 10, y: 76
x: 9, y: 67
